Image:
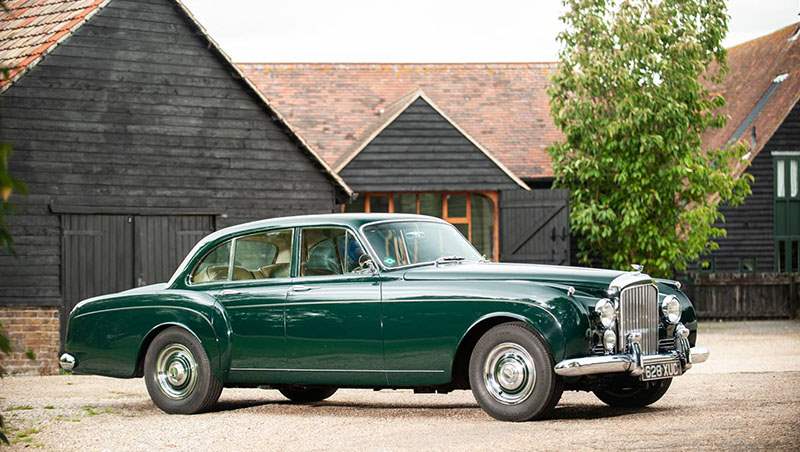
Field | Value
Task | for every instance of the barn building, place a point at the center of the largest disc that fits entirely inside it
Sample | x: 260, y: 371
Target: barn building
x: 136, y: 136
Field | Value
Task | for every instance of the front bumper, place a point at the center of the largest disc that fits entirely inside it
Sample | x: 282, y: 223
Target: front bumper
x: 631, y: 363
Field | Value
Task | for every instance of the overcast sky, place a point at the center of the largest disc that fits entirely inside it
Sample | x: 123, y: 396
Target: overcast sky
x: 420, y: 30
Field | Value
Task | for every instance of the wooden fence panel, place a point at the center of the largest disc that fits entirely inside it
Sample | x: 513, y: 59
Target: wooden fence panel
x: 740, y: 296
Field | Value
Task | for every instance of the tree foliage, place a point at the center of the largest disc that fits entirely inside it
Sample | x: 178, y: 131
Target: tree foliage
x: 630, y: 97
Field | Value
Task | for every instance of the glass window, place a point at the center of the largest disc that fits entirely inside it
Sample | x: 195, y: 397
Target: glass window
x: 330, y: 251
x: 355, y: 206
x: 793, y: 178
x: 214, y: 266
x: 263, y: 256
x: 405, y: 203
x: 456, y: 206
x: 411, y: 242
x: 430, y: 204
x: 379, y: 203
x: 781, y: 179
x: 482, y: 224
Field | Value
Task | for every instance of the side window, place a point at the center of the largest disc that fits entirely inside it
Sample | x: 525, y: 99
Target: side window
x: 214, y: 266
x: 263, y: 256
x: 329, y: 251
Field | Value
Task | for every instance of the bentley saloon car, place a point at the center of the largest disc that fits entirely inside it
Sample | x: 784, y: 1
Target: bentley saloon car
x: 309, y: 304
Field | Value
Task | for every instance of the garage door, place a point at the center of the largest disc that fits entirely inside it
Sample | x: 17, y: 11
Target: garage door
x: 108, y: 253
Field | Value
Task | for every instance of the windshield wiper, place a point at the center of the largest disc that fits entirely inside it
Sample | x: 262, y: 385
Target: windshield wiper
x: 447, y: 259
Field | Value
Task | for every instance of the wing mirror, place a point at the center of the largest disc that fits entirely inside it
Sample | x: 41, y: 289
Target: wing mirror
x: 365, y: 263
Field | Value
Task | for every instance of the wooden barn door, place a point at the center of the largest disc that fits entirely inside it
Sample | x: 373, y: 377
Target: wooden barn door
x: 534, y: 227
x: 108, y: 253
x: 163, y: 241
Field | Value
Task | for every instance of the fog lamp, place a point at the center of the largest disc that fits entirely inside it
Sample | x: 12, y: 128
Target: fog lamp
x: 609, y: 341
x: 671, y: 308
x: 605, y: 309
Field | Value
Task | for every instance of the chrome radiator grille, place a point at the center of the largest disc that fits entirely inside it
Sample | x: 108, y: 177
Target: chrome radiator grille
x: 638, y: 311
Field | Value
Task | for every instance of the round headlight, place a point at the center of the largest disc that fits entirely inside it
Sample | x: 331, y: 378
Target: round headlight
x: 605, y: 309
x: 609, y: 340
x: 671, y: 308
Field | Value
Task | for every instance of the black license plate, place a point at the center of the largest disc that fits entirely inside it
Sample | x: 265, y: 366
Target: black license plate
x: 660, y: 371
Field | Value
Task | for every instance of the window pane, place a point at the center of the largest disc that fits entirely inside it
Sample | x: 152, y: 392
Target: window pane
x: 263, y: 256
x: 793, y: 178
x: 457, y: 206
x: 355, y: 206
x: 463, y: 229
x: 379, y: 203
x: 329, y: 251
x: 214, y: 266
x: 430, y: 204
x: 405, y: 203
x: 482, y: 227
x: 794, y: 256
x: 412, y: 242
x: 781, y: 256
x: 781, y: 179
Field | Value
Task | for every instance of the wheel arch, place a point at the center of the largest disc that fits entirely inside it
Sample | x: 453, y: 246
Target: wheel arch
x: 460, y: 364
x: 155, y: 331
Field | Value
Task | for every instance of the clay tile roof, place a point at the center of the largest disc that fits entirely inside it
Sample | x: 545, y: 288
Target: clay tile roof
x: 761, y: 88
x: 31, y: 28
x: 502, y: 106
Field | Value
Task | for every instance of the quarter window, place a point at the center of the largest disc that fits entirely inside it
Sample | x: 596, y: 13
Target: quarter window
x: 214, y: 266
x: 330, y: 251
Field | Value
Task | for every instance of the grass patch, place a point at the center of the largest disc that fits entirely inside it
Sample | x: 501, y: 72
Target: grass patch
x: 94, y: 411
x: 25, y: 436
x: 49, y: 407
x: 61, y: 417
x: 19, y: 408
x: 30, y: 354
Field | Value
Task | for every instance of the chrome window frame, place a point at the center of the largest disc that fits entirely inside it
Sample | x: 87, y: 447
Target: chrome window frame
x: 374, y: 254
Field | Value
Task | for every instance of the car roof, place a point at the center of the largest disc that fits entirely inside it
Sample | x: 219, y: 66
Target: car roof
x: 354, y: 220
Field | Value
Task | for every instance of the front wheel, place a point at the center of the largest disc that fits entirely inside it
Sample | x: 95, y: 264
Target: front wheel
x: 307, y: 394
x: 631, y: 393
x: 511, y: 374
x: 178, y: 374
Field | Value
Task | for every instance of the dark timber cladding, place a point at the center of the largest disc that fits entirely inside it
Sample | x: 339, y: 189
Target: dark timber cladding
x: 422, y: 151
x: 751, y: 226
x: 135, y: 115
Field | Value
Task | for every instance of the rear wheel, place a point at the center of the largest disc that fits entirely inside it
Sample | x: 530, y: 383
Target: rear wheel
x: 178, y: 374
x: 632, y: 393
x: 511, y: 374
x: 307, y: 394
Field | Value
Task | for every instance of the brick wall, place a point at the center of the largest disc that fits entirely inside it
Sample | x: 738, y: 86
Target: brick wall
x: 34, y: 334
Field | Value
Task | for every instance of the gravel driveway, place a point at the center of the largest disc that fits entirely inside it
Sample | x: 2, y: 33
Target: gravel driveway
x: 747, y: 396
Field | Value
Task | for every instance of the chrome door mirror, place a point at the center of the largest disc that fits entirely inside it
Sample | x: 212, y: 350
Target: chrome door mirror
x: 366, y: 264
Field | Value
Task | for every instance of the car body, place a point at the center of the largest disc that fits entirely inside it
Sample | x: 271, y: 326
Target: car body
x: 312, y: 303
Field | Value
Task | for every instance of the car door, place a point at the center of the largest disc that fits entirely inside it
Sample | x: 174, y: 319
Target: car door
x: 333, y: 317
x: 252, y: 285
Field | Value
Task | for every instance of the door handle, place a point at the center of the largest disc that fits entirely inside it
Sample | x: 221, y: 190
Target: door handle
x: 230, y: 292
x: 301, y: 288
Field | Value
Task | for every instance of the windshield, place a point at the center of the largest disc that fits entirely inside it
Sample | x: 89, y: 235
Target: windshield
x: 400, y: 243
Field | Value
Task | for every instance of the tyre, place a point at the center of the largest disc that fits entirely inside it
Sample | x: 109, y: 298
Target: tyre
x: 632, y: 393
x: 178, y: 374
x: 511, y: 374
x: 307, y: 394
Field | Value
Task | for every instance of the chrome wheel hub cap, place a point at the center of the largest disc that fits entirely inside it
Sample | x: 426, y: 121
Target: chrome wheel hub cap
x: 509, y: 373
x: 176, y: 371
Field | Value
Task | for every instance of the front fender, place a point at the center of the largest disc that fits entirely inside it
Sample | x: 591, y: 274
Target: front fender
x: 107, y: 335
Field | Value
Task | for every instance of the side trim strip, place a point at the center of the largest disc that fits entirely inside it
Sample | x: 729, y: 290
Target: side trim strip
x: 256, y: 369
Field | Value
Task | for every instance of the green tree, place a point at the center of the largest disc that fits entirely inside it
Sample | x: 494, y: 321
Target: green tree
x: 630, y: 96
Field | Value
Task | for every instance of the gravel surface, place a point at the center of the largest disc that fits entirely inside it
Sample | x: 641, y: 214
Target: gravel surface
x: 747, y: 396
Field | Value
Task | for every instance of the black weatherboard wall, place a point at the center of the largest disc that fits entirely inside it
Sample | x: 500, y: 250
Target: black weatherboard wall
x: 751, y: 226
x: 133, y: 132
x: 422, y: 151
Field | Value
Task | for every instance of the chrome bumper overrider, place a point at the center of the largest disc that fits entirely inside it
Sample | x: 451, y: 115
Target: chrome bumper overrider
x: 67, y: 361
x: 632, y: 363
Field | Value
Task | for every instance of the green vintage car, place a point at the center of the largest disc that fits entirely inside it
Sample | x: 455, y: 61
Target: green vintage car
x: 309, y: 304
